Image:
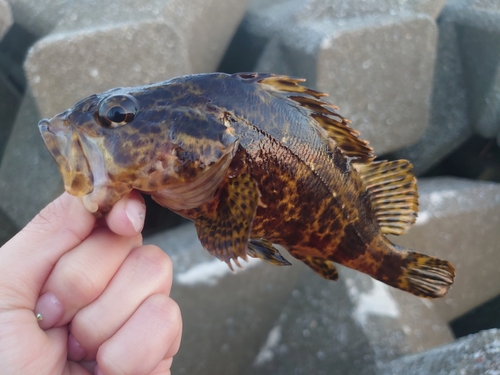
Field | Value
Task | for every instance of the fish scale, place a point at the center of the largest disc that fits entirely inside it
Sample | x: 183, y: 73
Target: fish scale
x: 254, y: 160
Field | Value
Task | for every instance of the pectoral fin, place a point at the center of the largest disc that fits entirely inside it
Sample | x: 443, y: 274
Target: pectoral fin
x: 224, y: 232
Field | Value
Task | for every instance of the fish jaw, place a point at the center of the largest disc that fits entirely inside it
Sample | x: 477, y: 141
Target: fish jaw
x: 81, y: 163
x: 64, y: 145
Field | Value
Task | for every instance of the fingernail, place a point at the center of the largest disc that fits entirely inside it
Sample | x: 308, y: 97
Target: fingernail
x: 136, y: 211
x: 75, y: 350
x: 48, y: 310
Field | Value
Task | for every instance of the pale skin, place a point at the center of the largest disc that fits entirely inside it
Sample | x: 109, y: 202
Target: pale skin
x: 103, y: 296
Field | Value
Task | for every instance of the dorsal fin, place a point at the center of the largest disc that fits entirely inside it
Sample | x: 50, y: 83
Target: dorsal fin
x: 393, y: 192
x: 325, y: 114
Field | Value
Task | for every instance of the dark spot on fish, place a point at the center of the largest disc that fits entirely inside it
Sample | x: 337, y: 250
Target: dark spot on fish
x: 320, y: 241
x: 351, y: 245
x: 389, y: 267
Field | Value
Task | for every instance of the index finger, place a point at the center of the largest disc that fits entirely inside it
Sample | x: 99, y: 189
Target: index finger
x: 28, y: 258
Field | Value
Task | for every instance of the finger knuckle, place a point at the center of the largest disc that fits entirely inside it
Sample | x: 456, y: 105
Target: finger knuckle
x: 79, y: 282
x: 154, y: 263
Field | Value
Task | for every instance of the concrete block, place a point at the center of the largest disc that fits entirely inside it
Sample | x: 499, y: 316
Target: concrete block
x: 5, y: 17
x: 477, y: 354
x: 374, y: 59
x: 90, y: 51
x: 394, y: 323
x: 7, y: 229
x: 9, y: 103
x: 226, y: 317
x: 466, y: 94
x: 39, y: 17
x: 348, y: 327
x: 478, y: 26
x: 316, y: 334
x: 449, y: 123
x: 384, y: 88
x: 29, y: 178
x: 459, y: 221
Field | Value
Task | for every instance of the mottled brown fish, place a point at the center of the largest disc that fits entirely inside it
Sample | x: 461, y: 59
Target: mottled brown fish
x: 255, y: 160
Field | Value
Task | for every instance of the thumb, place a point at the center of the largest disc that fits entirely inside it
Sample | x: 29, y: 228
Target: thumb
x: 28, y: 258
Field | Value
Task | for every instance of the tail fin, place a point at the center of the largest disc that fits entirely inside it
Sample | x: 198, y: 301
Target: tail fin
x: 425, y: 276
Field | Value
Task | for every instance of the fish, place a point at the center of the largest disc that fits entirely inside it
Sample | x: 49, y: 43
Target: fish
x: 255, y: 160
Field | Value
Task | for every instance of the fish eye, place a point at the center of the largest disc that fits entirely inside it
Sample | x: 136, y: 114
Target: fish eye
x: 117, y: 110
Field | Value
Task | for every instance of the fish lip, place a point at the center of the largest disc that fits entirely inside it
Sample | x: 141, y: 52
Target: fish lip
x: 55, y: 133
x: 98, y: 198
x: 64, y: 145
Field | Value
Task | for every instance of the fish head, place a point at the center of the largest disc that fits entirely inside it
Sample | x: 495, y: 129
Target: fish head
x: 151, y: 138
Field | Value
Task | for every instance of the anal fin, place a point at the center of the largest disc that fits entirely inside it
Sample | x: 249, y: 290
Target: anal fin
x: 393, y: 192
x: 324, y: 268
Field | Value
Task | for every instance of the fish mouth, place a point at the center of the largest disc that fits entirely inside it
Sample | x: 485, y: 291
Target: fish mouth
x: 65, y: 146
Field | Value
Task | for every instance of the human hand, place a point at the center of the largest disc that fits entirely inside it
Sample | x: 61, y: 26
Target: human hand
x: 103, y: 296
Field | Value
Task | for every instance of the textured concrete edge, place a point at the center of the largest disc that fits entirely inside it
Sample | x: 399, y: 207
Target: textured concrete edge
x: 6, y: 18
x: 27, y: 162
x: 93, y: 76
x: 399, y: 128
x: 476, y: 354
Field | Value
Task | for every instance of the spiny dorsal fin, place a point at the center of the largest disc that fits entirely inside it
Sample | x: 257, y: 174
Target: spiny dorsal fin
x: 393, y: 192
x: 324, y: 113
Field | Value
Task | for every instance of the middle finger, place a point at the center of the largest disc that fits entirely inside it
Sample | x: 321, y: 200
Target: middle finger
x: 81, y: 274
x: 146, y: 271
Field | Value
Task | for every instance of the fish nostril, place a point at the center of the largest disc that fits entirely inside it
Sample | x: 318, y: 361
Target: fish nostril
x: 44, y: 125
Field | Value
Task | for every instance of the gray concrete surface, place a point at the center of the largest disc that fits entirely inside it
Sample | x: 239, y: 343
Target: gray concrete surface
x: 29, y: 177
x: 316, y: 332
x: 466, y: 90
x: 459, y: 221
x: 10, y: 99
x: 7, y: 229
x: 5, y: 17
x: 345, y: 48
x: 89, y: 51
x: 477, y: 354
x: 39, y: 17
x: 226, y: 317
x: 478, y: 24
x: 351, y: 326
